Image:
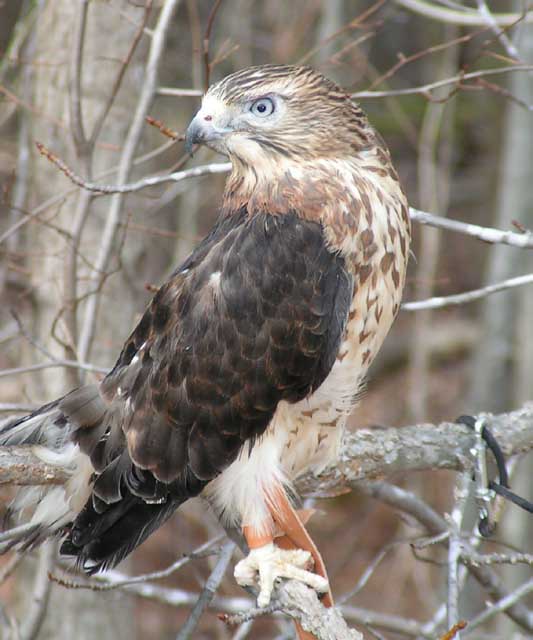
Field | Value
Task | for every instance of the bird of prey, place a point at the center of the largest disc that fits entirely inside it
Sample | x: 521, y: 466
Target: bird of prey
x: 243, y: 370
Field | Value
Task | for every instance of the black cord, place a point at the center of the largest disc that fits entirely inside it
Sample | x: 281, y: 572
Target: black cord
x: 510, y: 495
x: 501, y: 487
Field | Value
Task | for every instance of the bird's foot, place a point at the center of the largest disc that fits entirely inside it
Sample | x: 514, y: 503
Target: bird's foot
x: 263, y: 566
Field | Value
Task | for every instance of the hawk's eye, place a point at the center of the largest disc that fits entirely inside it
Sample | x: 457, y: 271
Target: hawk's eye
x: 262, y: 107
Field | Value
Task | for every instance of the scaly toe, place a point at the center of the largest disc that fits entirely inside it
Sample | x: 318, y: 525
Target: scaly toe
x: 266, y: 564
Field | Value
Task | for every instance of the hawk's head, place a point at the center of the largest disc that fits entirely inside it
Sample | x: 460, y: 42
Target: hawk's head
x: 275, y: 112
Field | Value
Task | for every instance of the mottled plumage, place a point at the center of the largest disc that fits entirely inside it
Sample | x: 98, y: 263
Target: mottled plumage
x: 243, y: 369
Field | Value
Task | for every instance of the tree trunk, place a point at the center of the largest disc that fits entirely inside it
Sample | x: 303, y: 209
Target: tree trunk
x: 61, y: 269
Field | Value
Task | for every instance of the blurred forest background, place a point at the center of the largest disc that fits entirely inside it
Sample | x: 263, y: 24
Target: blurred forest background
x: 77, y: 268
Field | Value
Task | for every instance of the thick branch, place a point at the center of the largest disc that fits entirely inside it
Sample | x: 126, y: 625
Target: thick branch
x: 301, y: 603
x: 19, y: 465
x: 365, y: 453
x: 371, y: 453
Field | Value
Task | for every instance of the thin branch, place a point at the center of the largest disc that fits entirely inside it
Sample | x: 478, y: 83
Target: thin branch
x: 182, y: 93
x: 178, y: 176
x: 409, y: 503
x: 99, y: 123
x: 34, y: 343
x: 208, y: 592
x: 133, y: 137
x: 75, y: 75
x: 468, y: 17
x: 114, y: 580
x: 169, y: 133
x: 457, y: 79
x: 455, y: 547
x: 68, y: 364
x: 504, y: 39
x: 36, y: 609
x: 60, y: 197
x: 453, y: 632
x: 486, y: 234
x: 479, y: 559
x: 501, y: 605
x: 423, y: 89
x: 470, y: 296
x: 207, y: 41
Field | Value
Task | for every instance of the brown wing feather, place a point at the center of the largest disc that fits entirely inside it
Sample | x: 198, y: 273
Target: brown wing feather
x: 254, y: 316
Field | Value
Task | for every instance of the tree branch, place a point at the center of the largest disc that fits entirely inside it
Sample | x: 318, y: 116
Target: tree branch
x: 486, y: 234
x: 468, y: 17
x: 364, y: 453
x: 302, y: 604
x: 369, y: 453
x: 438, y: 302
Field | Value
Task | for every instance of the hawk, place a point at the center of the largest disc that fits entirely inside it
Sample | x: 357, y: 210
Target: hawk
x: 243, y: 370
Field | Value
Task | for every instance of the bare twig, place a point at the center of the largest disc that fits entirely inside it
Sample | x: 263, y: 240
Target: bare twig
x: 470, y: 296
x: 207, y: 41
x: 452, y: 633
x: 479, y: 559
x: 181, y: 93
x: 99, y: 123
x: 36, y: 610
x: 30, y: 338
x: 68, y: 364
x: 252, y: 613
x: 60, y: 197
x: 504, y: 39
x: 468, y: 17
x: 457, y: 80
x: 113, y: 580
x: 130, y: 145
x: 501, y: 605
x: 208, y: 592
x: 522, y: 240
x: 77, y: 128
x: 164, y: 129
x: 411, y: 504
x: 178, y: 176
x: 455, y: 547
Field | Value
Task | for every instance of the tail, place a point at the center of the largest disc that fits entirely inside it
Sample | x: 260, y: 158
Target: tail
x: 47, y: 509
x: 97, y: 532
x: 99, y: 541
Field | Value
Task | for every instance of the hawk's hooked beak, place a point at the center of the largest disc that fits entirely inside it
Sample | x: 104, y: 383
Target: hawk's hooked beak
x: 202, y: 130
x: 195, y: 134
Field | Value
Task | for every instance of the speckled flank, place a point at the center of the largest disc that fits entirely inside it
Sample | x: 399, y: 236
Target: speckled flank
x: 377, y: 250
x: 363, y: 210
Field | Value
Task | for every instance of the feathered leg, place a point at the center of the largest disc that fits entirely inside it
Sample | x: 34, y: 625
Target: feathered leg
x: 296, y: 536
